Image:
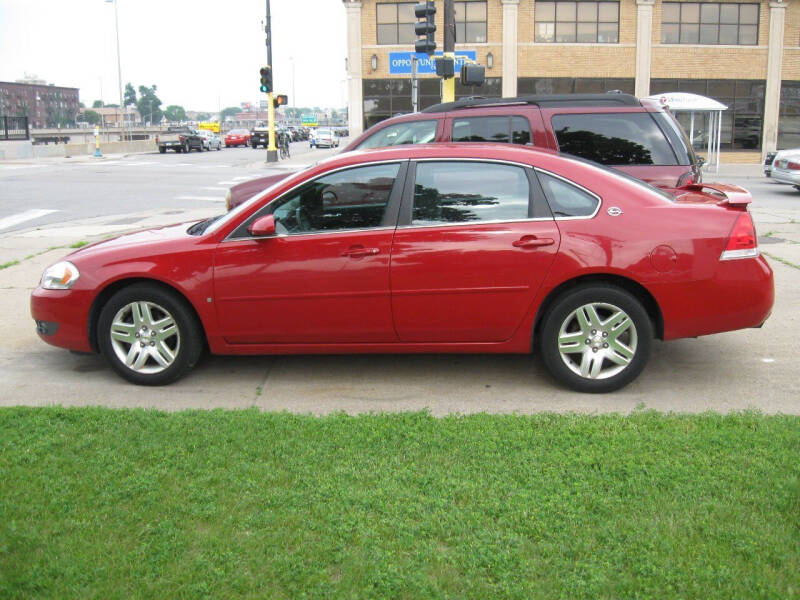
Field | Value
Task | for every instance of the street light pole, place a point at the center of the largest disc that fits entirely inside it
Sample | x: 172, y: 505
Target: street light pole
x: 119, y: 73
x: 272, y: 150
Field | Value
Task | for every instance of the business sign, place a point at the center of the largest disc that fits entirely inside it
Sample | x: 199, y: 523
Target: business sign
x: 309, y: 120
x: 209, y: 126
x: 400, y: 62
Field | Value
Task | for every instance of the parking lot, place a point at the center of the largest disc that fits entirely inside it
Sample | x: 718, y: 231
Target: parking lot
x: 745, y: 369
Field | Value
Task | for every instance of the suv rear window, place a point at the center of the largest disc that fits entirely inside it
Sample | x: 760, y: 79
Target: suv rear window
x: 409, y: 132
x: 509, y: 130
x: 614, y: 139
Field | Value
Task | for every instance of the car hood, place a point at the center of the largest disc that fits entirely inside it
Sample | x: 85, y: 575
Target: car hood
x: 138, y: 239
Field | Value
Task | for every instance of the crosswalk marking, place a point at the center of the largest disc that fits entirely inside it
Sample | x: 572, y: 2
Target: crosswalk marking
x: 203, y: 198
x: 28, y: 215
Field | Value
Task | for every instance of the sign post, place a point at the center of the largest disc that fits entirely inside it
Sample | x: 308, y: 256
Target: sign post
x: 97, y: 142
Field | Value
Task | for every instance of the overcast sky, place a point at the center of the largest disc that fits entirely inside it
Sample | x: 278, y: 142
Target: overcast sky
x: 202, y: 54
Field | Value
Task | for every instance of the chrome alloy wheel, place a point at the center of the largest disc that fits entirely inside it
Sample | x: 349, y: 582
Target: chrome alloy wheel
x: 597, y: 340
x: 145, y: 337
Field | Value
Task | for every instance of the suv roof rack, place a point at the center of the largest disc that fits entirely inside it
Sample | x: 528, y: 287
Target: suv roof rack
x: 545, y: 101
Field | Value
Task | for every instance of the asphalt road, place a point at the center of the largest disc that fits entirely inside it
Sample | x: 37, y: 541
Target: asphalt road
x: 64, y: 190
x: 745, y: 369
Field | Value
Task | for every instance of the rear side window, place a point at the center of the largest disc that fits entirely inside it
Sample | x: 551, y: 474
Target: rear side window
x: 461, y: 192
x: 508, y: 130
x: 614, y: 139
x: 566, y: 199
x: 409, y: 132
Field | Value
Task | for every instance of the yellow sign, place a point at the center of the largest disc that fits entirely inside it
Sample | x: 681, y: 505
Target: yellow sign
x: 209, y: 126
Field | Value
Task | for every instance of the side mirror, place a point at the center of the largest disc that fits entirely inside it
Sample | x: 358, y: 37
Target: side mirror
x: 701, y: 160
x: 262, y: 226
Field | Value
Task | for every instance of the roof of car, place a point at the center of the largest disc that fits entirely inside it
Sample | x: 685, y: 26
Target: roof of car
x: 543, y: 101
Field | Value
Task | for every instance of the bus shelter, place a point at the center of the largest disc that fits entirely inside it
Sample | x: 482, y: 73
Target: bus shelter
x: 695, y: 104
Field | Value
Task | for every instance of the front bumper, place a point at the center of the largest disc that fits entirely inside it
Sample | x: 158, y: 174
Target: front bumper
x: 62, y: 317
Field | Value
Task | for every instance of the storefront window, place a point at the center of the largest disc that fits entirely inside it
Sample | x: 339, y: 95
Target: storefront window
x: 527, y: 86
x: 789, y: 116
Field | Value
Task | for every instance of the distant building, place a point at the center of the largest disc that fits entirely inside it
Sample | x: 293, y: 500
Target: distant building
x: 45, y: 105
x: 112, y: 116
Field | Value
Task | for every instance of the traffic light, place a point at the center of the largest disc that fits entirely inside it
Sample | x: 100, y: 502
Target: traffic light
x: 266, y: 79
x: 425, y: 10
x: 280, y: 100
x: 472, y: 75
x: 445, y: 67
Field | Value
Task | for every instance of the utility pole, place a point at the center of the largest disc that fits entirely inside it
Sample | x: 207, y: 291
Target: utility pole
x: 449, y: 84
x: 414, y: 84
x: 272, y: 150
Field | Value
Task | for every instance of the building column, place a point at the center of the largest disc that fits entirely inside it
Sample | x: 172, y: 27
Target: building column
x: 355, y: 91
x: 772, y: 96
x: 510, y: 27
x: 644, y: 46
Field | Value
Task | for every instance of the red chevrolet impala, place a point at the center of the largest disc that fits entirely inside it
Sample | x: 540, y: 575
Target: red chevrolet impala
x: 434, y: 248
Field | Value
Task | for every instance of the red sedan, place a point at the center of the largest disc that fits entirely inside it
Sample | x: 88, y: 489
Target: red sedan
x: 435, y: 248
x: 237, y: 137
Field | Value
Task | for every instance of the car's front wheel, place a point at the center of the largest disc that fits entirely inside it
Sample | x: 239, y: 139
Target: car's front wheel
x: 596, y: 338
x: 149, y: 335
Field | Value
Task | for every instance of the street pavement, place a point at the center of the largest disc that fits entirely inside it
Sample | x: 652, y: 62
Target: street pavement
x: 739, y: 370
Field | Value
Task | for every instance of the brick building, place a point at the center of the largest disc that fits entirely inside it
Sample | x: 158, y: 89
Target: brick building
x: 746, y: 54
x: 44, y: 105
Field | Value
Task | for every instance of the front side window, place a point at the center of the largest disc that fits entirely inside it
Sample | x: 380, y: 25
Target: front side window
x: 709, y: 23
x: 566, y: 199
x: 410, y: 132
x: 351, y: 199
x: 465, y: 192
x: 585, y: 22
x: 513, y: 130
x: 613, y: 139
x: 396, y: 23
x: 470, y: 19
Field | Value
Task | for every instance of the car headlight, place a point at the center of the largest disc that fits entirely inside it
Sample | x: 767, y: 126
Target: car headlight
x: 60, y: 276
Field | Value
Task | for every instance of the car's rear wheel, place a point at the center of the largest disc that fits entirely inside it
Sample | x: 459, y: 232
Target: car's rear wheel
x: 162, y: 150
x: 187, y: 148
x: 596, y: 338
x: 149, y: 335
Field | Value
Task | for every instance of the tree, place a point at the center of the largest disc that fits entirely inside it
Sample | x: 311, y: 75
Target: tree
x: 97, y: 104
x: 91, y: 116
x: 229, y: 112
x: 203, y: 116
x: 175, y: 113
x: 149, y: 105
x: 130, y: 95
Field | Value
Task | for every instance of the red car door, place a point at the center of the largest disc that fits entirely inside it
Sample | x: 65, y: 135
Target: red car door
x: 474, y: 243
x: 324, y: 276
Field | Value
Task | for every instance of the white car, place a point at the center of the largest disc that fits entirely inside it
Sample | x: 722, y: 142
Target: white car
x: 786, y: 167
x: 325, y: 138
x: 210, y: 140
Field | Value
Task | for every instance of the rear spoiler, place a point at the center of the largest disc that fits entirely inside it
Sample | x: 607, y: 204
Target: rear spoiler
x: 729, y: 194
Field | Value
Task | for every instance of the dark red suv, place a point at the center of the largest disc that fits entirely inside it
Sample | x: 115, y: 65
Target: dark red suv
x: 638, y: 137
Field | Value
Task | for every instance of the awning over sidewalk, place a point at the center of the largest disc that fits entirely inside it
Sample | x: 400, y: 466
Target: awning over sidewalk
x: 694, y: 103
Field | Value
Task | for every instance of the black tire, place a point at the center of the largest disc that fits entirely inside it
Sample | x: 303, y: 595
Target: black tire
x: 187, y: 148
x: 560, y: 314
x: 162, y: 150
x: 189, y: 334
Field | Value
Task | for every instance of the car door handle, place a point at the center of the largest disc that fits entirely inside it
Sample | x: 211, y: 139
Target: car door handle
x: 531, y: 241
x: 359, y: 251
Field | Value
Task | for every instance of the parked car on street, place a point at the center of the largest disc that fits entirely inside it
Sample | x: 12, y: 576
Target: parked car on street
x: 237, y: 137
x: 768, y: 163
x: 210, y: 140
x: 179, y: 139
x: 640, y: 138
x: 786, y: 167
x: 474, y: 248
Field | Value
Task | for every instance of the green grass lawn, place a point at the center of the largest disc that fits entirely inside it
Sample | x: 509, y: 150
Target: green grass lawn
x: 98, y: 503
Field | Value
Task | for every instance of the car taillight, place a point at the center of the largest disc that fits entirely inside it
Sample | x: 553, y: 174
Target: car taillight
x: 686, y: 179
x: 156, y: 139
x: 793, y: 165
x: 742, y: 242
x: 180, y: 138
